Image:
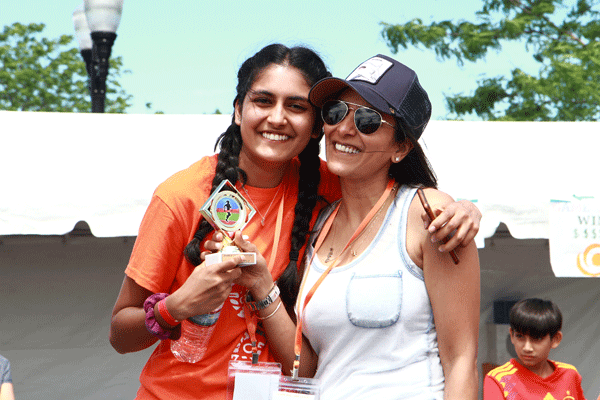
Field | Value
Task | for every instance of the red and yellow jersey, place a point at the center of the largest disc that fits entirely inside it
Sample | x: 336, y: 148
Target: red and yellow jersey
x: 513, y: 381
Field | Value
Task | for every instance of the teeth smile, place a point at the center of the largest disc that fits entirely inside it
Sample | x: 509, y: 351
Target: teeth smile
x: 273, y: 136
x: 346, y: 149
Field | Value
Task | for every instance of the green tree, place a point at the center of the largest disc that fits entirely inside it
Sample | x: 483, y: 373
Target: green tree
x: 563, y: 39
x: 40, y: 74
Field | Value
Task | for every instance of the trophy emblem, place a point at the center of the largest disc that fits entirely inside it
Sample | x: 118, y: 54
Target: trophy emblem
x: 228, y: 211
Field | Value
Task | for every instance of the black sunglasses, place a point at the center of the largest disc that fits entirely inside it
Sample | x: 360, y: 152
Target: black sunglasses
x: 366, y: 119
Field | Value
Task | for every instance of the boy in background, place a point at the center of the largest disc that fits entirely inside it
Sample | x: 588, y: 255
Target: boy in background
x: 535, y: 329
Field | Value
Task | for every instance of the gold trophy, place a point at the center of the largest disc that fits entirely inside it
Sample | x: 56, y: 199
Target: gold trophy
x: 228, y: 211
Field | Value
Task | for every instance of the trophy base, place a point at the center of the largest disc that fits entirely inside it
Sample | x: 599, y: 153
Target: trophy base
x: 249, y: 258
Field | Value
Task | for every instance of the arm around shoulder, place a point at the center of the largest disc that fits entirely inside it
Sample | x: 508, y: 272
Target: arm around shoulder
x: 460, y: 219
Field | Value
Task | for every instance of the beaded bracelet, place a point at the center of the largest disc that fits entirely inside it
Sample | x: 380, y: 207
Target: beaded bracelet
x: 152, y: 324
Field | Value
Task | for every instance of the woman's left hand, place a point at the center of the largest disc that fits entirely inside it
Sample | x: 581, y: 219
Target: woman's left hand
x: 460, y: 217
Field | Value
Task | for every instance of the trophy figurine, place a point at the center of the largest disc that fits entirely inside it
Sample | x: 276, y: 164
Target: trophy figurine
x: 228, y: 211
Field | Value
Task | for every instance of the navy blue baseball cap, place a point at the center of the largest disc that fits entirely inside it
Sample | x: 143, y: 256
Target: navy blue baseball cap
x: 388, y: 85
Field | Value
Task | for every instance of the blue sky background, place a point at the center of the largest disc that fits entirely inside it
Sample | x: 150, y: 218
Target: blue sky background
x: 184, y: 54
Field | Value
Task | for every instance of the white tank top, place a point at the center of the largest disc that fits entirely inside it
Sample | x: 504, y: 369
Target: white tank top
x: 370, y: 321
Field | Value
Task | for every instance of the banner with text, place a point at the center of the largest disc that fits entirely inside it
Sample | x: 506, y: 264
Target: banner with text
x: 575, y: 238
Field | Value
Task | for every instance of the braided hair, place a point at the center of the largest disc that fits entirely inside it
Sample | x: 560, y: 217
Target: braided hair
x: 230, y: 144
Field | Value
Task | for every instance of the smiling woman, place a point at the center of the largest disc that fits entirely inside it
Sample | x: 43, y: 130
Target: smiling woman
x: 270, y: 150
x: 380, y: 164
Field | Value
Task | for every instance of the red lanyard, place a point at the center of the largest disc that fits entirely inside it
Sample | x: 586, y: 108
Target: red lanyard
x: 251, y: 318
x: 319, y: 242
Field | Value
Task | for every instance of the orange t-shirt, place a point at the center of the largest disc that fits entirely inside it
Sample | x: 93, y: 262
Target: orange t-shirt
x: 157, y: 263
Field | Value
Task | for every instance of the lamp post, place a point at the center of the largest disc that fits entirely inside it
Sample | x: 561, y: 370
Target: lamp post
x: 103, y: 17
x: 84, y: 38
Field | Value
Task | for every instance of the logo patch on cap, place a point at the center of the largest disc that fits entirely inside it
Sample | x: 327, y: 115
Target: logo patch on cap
x: 370, y: 71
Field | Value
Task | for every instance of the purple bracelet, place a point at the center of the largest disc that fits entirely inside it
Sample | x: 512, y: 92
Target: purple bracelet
x: 152, y: 324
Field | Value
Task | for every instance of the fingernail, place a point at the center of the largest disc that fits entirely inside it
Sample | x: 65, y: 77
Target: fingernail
x: 245, y: 237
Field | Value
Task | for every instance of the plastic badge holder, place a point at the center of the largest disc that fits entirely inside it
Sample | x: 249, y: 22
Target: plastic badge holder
x: 301, y: 389
x: 247, y: 381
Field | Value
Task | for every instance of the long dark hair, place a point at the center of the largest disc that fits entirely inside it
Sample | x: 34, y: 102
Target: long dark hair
x: 230, y: 144
x: 414, y: 169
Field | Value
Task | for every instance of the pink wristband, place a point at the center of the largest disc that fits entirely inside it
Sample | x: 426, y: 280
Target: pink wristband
x: 165, y: 314
x: 152, y: 324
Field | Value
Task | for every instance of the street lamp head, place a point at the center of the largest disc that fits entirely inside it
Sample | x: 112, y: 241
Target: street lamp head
x: 82, y: 30
x: 103, y: 15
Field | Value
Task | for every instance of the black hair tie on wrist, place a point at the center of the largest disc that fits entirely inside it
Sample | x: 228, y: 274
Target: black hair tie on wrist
x: 294, y: 255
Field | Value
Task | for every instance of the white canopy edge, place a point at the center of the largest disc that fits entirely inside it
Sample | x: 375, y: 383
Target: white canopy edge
x: 61, y: 168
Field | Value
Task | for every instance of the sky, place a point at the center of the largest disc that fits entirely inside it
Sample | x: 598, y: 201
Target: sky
x: 184, y: 54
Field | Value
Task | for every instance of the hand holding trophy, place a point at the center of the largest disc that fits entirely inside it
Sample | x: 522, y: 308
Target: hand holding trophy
x: 228, y: 211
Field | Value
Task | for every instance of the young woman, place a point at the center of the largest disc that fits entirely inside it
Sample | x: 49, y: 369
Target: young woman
x: 270, y: 152
x: 382, y: 313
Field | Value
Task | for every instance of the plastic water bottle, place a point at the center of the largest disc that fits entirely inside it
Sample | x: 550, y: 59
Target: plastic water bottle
x: 195, y: 335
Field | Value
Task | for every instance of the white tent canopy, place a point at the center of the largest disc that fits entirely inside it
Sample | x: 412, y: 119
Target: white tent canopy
x: 101, y: 168
x: 58, y: 288
x: 61, y: 168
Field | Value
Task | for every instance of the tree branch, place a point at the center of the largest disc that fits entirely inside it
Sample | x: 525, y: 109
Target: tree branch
x: 548, y: 21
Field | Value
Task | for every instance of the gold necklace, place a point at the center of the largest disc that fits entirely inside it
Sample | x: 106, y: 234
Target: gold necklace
x: 352, y: 251
x: 332, y: 250
x: 363, y: 234
x: 262, y: 221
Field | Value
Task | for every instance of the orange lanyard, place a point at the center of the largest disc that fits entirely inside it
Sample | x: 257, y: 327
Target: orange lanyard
x: 319, y: 242
x: 251, y: 318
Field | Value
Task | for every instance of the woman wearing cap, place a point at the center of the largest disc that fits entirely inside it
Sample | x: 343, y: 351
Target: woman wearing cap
x: 375, y: 283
